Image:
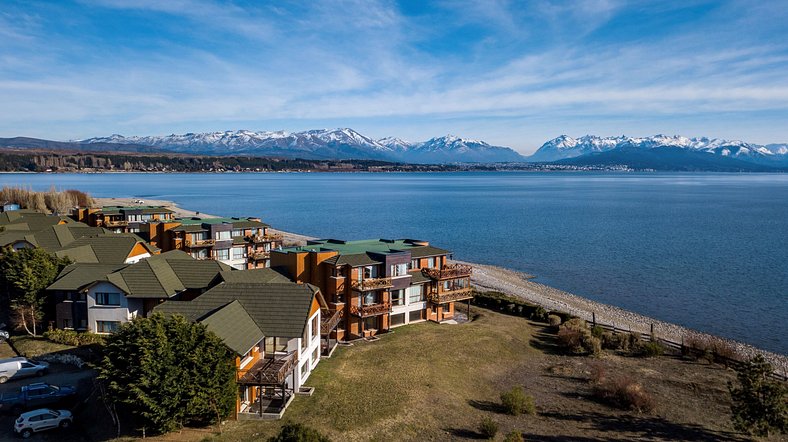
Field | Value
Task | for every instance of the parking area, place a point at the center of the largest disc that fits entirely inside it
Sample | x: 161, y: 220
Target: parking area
x: 59, y: 374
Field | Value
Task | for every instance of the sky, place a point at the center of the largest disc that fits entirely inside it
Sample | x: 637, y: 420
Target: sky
x: 511, y: 73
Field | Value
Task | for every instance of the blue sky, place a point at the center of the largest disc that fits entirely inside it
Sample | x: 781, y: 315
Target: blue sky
x: 511, y: 73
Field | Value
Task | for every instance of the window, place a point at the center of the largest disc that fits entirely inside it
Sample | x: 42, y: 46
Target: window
x: 398, y: 297
x: 273, y: 345
x: 371, y: 323
x: 201, y: 253
x: 107, y: 326
x: 222, y: 254
x: 414, y: 264
x: 399, y: 269
x: 83, y: 324
x: 370, y: 272
x: 415, y: 294
x: 315, y: 328
x: 431, y: 262
x: 201, y: 236
x: 369, y: 298
x: 239, y: 252
x: 397, y: 319
x: 80, y: 296
x: 223, y: 235
x: 66, y: 323
x: 315, y: 355
x: 237, y: 233
x: 305, y: 369
x: 417, y: 315
x: 107, y: 298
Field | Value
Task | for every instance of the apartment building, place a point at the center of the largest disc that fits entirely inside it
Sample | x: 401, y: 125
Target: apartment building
x: 375, y: 285
x: 273, y: 328
x: 124, y: 219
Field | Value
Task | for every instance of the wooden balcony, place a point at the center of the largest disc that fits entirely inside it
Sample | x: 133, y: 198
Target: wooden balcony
x: 329, y: 320
x: 460, y: 294
x: 260, y: 255
x: 449, y: 271
x: 268, y: 237
x: 200, y: 243
x: 372, y: 284
x: 370, y: 310
x: 269, y: 370
x: 116, y: 223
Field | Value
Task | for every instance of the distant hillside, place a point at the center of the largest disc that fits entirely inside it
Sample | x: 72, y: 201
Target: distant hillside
x: 70, y: 146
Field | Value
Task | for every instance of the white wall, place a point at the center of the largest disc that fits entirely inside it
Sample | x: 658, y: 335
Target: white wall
x: 118, y: 313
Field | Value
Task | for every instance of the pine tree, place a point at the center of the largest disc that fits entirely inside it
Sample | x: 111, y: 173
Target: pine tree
x: 759, y: 404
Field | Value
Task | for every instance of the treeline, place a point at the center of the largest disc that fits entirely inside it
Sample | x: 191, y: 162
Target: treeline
x: 12, y: 161
x: 54, y: 201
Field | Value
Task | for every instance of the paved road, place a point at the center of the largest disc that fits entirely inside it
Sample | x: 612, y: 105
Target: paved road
x: 59, y: 374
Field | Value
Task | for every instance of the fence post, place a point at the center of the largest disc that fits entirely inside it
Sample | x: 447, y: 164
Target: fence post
x: 652, y: 332
x: 593, y: 318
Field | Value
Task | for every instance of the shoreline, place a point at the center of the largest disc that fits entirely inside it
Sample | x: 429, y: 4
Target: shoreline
x: 518, y: 284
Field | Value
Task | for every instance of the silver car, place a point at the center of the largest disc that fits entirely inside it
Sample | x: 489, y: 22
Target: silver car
x: 40, y: 420
x: 20, y: 367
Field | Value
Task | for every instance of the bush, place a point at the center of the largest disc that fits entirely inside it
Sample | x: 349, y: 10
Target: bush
x: 597, y: 331
x: 516, y: 402
x: 514, y: 436
x: 298, y: 433
x: 651, y: 349
x: 539, y: 314
x: 488, y: 428
x: 625, y: 393
x: 554, y: 320
x: 598, y: 373
x: 758, y: 404
x: 575, y: 336
x: 71, y: 337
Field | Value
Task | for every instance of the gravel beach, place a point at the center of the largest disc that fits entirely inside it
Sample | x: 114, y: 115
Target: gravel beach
x: 510, y: 282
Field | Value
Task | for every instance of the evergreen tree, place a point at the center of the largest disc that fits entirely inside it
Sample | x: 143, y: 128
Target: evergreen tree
x: 169, y: 372
x: 759, y: 404
x: 291, y: 432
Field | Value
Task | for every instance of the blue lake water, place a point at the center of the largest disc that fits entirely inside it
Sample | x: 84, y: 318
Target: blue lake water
x: 708, y: 251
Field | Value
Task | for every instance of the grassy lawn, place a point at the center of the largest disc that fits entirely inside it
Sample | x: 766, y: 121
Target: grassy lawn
x: 32, y: 347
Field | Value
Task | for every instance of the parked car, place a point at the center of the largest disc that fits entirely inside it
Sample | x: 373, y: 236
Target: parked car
x: 40, y: 420
x: 3, y: 333
x: 36, y: 395
x: 20, y: 367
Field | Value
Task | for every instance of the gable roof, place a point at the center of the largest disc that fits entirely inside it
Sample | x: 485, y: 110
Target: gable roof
x: 107, y: 248
x: 57, y: 237
x: 235, y: 327
x: 75, y: 277
x: 264, y: 276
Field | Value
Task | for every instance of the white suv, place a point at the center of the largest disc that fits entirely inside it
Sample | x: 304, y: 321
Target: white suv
x: 40, y: 420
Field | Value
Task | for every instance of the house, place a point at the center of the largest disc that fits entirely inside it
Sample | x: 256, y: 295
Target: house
x: 99, y: 296
x: 242, y: 243
x: 124, y: 219
x: 41, y: 233
x: 274, y: 329
x: 18, y: 227
x: 375, y: 285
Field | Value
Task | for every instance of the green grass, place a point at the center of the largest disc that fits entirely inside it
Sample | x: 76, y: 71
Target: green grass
x: 32, y: 347
x: 413, y: 383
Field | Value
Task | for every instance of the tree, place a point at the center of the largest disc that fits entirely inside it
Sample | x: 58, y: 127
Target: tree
x: 169, y: 372
x: 291, y: 432
x: 759, y: 404
x: 26, y: 274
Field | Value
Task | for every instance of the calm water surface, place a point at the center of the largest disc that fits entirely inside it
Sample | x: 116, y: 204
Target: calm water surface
x: 708, y: 251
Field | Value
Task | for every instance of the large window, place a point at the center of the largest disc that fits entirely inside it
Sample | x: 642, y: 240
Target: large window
x: 371, y: 323
x: 107, y: 326
x: 431, y: 262
x: 417, y: 315
x: 315, y: 328
x: 107, y: 298
x: 222, y: 253
x: 237, y: 233
x: 200, y: 253
x: 414, y: 264
x: 273, y: 345
x: 223, y: 235
x: 239, y: 252
x: 399, y: 269
x: 416, y: 294
x: 369, y: 298
x: 398, y: 319
x: 398, y: 297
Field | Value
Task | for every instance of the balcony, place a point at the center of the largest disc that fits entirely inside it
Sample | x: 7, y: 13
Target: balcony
x: 448, y: 271
x: 200, y: 242
x: 259, y: 255
x: 371, y: 284
x: 459, y: 294
x: 268, y: 237
x: 116, y: 223
x: 329, y: 320
x: 269, y: 370
x: 370, y: 310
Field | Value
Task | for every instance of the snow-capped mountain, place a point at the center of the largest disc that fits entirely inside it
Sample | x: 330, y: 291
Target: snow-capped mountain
x: 565, y: 147
x: 322, y: 144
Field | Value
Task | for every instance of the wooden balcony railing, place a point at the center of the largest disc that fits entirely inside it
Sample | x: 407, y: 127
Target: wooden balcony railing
x: 257, y: 256
x: 370, y: 310
x: 112, y: 223
x: 448, y: 271
x: 372, y: 284
x: 200, y: 242
x: 329, y: 320
x: 460, y: 294
x: 269, y: 370
x: 268, y: 237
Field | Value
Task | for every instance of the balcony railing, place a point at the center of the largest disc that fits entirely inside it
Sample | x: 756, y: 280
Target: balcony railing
x: 269, y: 370
x: 200, y: 242
x: 113, y: 223
x: 372, y: 284
x: 268, y: 237
x: 460, y: 294
x: 257, y: 256
x: 448, y: 271
x: 329, y: 320
x: 370, y: 310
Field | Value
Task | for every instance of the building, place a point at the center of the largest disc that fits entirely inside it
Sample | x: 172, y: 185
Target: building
x: 99, y: 296
x: 242, y: 243
x: 274, y: 330
x: 375, y: 285
x: 124, y: 219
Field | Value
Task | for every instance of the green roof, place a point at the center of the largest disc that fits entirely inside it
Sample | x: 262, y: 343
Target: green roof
x: 59, y: 236
x: 362, y: 252
x: 76, y: 276
x: 104, y: 248
x: 266, y: 275
x: 418, y: 278
x: 235, y: 327
x: 279, y: 309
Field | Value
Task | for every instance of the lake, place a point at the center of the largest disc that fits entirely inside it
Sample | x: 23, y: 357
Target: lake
x: 707, y: 251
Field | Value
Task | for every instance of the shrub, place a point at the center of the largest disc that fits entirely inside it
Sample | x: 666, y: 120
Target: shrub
x: 488, y: 428
x: 291, y: 432
x: 575, y: 336
x: 539, y: 314
x: 514, y: 436
x: 598, y: 373
x: 597, y: 331
x: 651, y: 349
x: 758, y: 404
x: 516, y: 402
x: 554, y: 320
x: 625, y: 393
x: 63, y: 359
x: 71, y: 337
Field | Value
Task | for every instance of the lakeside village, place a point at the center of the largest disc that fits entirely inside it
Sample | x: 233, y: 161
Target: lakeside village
x: 241, y: 315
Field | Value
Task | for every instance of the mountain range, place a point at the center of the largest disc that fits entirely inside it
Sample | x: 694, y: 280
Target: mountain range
x: 659, y: 152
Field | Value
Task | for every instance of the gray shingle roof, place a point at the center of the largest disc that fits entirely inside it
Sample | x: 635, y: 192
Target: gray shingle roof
x: 235, y: 327
x: 75, y: 277
x: 425, y: 251
x: 265, y: 276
